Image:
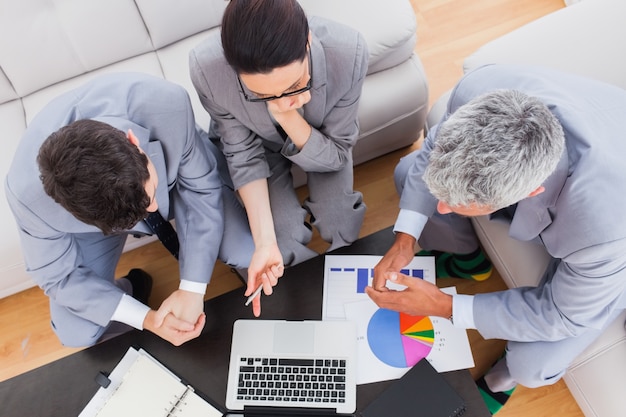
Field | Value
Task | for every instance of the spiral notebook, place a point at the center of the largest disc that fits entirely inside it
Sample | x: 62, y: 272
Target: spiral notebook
x: 141, y: 386
x: 421, y: 392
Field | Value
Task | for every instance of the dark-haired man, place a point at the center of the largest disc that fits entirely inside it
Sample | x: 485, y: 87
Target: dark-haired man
x: 90, y: 168
x: 283, y: 90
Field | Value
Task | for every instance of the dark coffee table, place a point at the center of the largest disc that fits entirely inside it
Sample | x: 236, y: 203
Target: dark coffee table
x: 64, y: 387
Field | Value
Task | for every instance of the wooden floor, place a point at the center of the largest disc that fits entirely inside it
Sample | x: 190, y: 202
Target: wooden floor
x: 448, y: 31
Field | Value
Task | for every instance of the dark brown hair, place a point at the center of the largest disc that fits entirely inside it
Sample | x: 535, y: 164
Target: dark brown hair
x: 261, y: 35
x: 93, y: 171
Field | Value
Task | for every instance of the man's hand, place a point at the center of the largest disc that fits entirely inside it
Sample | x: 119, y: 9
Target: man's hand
x: 420, y: 298
x: 397, y: 257
x: 265, y: 268
x: 179, y: 318
x: 173, y: 330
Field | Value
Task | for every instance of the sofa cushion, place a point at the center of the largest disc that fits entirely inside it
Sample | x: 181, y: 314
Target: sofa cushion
x: 7, y: 93
x: 146, y: 63
x: 410, y: 98
x: 197, y: 15
x: 59, y: 39
x: 596, y: 377
x: 391, y: 41
x: 13, y: 124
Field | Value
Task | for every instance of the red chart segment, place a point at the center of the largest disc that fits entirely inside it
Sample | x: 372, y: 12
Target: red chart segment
x: 400, y: 340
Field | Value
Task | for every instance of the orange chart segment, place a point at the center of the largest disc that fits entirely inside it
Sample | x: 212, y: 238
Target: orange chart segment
x: 407, y: 322
x: 414, y: 324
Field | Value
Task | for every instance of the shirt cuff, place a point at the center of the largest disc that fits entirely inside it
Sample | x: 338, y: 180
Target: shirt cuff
x: 192, y: 286
x: 410, y: 222
x: 130, y: 311
x: 463, y: 311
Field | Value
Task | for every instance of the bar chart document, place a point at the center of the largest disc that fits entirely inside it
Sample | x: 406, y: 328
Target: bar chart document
x: 390, y: 343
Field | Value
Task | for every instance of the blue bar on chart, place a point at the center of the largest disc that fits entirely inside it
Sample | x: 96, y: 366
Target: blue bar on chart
x: 363, y: 275
x: 362, y: 279
x: 415, y: 273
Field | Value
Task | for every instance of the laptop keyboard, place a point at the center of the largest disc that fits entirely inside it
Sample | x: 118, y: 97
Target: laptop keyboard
x: 292, y: 381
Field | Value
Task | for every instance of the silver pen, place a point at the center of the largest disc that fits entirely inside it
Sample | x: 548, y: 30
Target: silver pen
x: 254, y: 294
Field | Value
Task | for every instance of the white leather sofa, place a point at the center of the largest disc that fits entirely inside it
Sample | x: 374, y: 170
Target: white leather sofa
x: 50, y: 46
x: 586, y: 38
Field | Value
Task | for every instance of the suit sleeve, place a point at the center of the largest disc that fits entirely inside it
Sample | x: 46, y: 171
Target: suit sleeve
x: 330, y: 144
x: 579, y: 293
x: 415, y: 196
x: 54, y: 261
x: 198, y: 211
x: 242, y: 148
x: 194, y: 184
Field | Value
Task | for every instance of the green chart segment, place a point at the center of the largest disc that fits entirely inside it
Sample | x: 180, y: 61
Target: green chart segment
x: 398, y: 339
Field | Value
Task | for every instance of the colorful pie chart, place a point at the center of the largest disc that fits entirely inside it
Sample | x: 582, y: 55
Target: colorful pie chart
x: 398, y: 339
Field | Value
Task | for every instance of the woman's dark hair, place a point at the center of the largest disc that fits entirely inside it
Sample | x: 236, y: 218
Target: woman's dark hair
x: 93, y: 171
x: 261, y: 35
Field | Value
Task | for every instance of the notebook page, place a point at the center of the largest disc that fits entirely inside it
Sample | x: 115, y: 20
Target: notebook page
x: 193, y: 406
x: 146, y: 389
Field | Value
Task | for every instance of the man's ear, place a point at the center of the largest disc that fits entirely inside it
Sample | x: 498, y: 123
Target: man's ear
x: 538, y: 191
x: 132, y: 138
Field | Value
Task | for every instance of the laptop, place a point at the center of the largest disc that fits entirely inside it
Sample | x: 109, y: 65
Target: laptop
x: 291, y: 368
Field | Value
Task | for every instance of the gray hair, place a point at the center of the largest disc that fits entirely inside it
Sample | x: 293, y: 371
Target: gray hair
x: 494, y: 151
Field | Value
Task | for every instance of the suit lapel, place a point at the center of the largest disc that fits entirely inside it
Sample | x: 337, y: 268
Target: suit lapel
x: 314, y: 110
x: 155, y: 152
x: 532, y: 215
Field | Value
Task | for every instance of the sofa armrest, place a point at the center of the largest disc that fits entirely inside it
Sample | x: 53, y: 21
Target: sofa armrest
x: 586, y: 38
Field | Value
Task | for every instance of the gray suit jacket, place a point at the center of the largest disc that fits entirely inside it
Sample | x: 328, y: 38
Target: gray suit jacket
x: 189, y: 188
x: 246, y: 130
x: 579, y: 218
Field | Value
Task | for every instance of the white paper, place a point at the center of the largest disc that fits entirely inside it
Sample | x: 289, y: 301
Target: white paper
x: 346, y: 275
x: 392, y: 352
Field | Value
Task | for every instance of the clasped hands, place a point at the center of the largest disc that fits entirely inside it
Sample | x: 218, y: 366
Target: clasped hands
x: 179, y: 319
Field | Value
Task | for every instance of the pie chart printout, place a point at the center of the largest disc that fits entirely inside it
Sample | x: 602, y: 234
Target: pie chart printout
x: 398, y: 339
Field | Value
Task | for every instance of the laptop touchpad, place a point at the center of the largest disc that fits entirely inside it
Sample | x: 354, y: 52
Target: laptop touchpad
x: 294, y: 337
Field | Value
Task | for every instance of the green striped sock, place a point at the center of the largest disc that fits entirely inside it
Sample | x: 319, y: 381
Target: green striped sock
x: 473, y: 265
x: 494, y: 400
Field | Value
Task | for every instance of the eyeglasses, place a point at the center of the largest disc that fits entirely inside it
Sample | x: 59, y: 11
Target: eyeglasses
x: 306, y: 88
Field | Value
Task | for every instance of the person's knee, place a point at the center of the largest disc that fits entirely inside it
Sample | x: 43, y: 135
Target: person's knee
x: 292, y: 228
x: 532, y: 370
x: 77, y: 336
x: 237, y: 246
x: 339, y: 222
x: 347, y: 229
x: 293, y: 245
x: 402, y: 170
x: 239, y: 258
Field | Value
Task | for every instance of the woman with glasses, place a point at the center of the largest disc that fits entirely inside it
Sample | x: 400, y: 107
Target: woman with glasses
x: 283, y: 90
